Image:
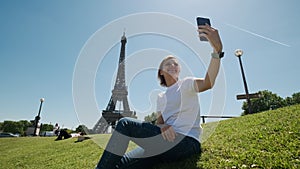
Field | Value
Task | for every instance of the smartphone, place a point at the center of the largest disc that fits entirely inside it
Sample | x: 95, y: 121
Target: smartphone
x: 203, y: 21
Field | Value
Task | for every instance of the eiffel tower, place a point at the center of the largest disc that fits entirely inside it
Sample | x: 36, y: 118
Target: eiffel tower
x: 110, y: 115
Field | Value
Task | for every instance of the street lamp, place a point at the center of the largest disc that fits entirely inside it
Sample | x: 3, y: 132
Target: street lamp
x: 37, y: 118
x: 238, y: 53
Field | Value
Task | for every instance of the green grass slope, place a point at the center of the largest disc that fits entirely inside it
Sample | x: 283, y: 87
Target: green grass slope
x: 265, y: 140
x: 44, y: 152
x: 269, y: 139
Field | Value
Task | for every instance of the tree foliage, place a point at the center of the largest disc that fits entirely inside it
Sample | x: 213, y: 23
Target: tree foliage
x: 270, y: 101
x: 47, y: 127
x: 151, y: 118
x: 296, y: 98
x: 21, y: 126
x: 82, y: 129
x: 15, y: 127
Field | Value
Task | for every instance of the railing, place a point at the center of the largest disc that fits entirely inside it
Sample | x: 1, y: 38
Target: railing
x: 203, y: 117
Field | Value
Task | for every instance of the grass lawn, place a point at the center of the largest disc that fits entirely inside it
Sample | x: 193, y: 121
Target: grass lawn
x: 265, y: 140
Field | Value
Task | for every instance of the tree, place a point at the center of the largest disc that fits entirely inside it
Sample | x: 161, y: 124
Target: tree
x: 21, y: 126
x: 25, y: 124
x: 47, y: 127
x: 82, y: 129
x: 151, y: 118
x: 13, y: 127
x: 1, y: 126
x: 16, y: 126
x: 267, y: 101
x: 296, y: 98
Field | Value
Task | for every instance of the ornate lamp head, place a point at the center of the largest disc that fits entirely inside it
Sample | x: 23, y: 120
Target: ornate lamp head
x: 238, y: 52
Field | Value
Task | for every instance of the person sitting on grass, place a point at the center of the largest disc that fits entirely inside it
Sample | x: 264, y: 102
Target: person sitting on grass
x: 63, y: 134
x: 177, y: 133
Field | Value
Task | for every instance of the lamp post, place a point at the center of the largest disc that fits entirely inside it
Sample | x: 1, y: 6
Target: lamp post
x: 37, y: 118
x: 238, y: 53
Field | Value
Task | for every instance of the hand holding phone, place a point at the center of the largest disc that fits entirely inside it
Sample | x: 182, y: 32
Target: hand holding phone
x: 203, y: 21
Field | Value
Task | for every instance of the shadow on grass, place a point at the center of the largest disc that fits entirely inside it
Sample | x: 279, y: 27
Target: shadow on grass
x: 190, y: 163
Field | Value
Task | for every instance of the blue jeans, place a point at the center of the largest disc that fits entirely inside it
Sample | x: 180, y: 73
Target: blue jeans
x: 152, y: 148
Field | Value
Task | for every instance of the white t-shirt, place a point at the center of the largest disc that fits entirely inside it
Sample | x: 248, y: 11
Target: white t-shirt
x: 180, y: 108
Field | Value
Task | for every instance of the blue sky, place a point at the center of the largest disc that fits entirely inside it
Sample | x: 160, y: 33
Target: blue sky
x: 41, y: 43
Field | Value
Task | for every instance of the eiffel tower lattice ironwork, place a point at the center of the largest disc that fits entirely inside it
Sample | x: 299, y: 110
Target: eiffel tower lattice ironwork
x: 119, y: 94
